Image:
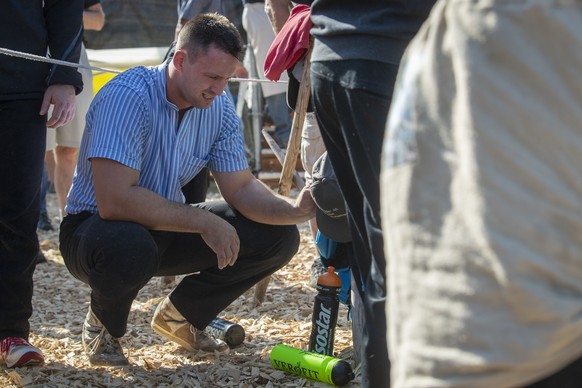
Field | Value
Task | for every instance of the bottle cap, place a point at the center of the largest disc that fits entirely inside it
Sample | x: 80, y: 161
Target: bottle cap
x: 342, y: 373
x: 235, y: 335
x: 329, y: 278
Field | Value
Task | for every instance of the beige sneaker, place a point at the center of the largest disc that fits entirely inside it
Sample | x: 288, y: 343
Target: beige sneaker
x: 101, y: 347
x: 169, y: 323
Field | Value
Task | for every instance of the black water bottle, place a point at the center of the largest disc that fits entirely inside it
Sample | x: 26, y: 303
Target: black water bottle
x: 231, y: 333
x: 325, y: 311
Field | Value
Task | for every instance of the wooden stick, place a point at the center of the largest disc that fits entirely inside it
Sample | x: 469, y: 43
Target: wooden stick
x: 294, y: 145
x: 280, y: 155
x: 293, y: 150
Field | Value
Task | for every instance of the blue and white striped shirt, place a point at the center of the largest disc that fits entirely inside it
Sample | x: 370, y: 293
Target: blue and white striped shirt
x: 132, y: 122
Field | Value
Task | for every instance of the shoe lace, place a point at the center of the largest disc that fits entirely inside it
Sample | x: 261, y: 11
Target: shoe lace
x: 204, y: 339
x: 103, y: 342
x: 110, y: 345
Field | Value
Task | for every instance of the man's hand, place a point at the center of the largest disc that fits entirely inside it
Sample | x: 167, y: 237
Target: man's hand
x: 305, y: 202
x: 62, y: 97
x: 222, y: 238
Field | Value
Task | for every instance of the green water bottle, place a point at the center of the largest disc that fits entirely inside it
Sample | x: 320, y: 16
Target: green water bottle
x: 311, y: 365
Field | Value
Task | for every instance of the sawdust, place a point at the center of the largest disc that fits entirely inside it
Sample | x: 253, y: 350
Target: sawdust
x: 60, y: 305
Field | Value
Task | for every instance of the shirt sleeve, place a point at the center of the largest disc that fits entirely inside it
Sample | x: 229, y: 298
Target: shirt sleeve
x: 227, y: 153
x: 119, y: 123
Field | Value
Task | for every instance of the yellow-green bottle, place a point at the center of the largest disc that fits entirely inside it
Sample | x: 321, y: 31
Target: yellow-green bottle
x: 311, y: 365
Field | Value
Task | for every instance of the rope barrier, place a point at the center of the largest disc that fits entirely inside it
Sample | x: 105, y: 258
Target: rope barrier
x: 38, y: 58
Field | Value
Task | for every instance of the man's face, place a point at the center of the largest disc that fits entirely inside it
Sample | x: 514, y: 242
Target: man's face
x: 200, y: 82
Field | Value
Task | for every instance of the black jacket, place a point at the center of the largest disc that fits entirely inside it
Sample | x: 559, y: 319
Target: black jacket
x: 31, y: 27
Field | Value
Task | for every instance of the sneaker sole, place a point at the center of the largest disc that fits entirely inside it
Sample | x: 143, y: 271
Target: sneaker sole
x: 28, y: 359
x: 120, y: 363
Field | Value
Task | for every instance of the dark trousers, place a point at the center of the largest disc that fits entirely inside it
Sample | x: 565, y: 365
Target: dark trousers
x: 568, y: 377
x: 351, y: 100
x: 23, y: 142
x: 118, y: 258
x: 195, y: 191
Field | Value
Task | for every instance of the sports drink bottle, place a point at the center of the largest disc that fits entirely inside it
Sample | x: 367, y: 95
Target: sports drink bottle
x: 325, y: 311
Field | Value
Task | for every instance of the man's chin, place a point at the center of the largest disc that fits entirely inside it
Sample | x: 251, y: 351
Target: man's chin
x: 204, y: 103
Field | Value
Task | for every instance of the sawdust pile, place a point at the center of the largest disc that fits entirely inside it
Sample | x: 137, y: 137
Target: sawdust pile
x: 60, y: 305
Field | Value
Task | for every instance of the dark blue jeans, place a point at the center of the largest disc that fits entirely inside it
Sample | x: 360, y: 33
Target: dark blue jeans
x: 23, y: 139
x: 116, y: 259
x: 351, y: 99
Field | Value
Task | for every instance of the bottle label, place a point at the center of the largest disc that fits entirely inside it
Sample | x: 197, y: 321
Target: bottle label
x: 297, y: 369
x: 311, y: 365
x: 323, y: 330
x: 231, y: 333
x: 323, y: 325
x: 216, y: 329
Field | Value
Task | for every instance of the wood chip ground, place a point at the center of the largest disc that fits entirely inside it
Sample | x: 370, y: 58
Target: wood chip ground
x: 60, y: 304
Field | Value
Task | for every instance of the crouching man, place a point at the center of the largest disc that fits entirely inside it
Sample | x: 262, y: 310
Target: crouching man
x: 149, y: 131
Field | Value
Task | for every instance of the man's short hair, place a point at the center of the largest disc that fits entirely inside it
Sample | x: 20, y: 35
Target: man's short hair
x: 208, y: 29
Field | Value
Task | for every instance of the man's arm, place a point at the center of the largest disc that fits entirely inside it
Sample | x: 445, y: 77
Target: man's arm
x: 94, y: 17
x: 257, y: 202
x: 64, y: 21
x: 278, y: 12
x: 190, y: 9
x: 64, y: 28
x: 120, y: 198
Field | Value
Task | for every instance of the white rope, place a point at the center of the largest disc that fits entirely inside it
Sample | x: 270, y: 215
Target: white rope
x: 33, y: 57
x: 256, y: 80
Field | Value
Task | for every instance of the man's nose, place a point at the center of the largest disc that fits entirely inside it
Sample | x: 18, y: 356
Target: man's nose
x: 219, y: 86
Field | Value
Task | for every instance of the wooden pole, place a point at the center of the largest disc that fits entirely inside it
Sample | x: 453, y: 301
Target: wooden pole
x: 280, y: 155
x: 293, y: 150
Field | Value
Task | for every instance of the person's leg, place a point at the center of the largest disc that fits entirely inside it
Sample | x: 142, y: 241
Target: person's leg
x: 260, y: 36
x: 351, y: 110
x: 118, y: 258
x: 23, y: 135
x: 279, y: 111
x: 44, y: 221
x: 49, y: 158
x: 65, y: 162
x: 48, y: 179
x: 115, y: 258
x: 201, y: 297
x: 312, y: 148
x: 43, y: 190
x: 68, y: 137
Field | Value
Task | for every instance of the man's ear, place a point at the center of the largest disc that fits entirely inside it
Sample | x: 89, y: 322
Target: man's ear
x: 179, y: 58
